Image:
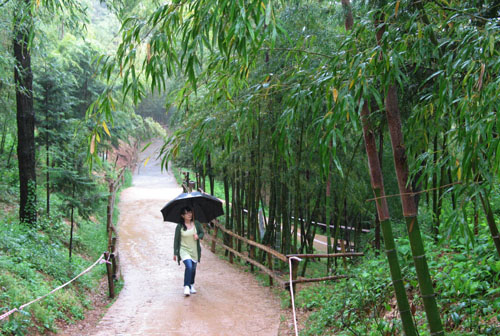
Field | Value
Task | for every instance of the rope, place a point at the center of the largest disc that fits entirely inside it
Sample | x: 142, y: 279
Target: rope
x: 413, y: 193
x: 291, y: 293
x: 101, y: 260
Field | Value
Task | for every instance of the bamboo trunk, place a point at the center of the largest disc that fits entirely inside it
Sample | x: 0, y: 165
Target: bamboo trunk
x: 410, y: 212
x: 297, y: 190
x: 47, y: 176
x: 72, y: 225
x: 435, y: 226
x: 490, y: 220
x: 285, y: 220
x: 377, y: 183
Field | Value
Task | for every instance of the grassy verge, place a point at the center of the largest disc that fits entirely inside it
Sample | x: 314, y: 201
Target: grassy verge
x: 364, y: 304
x: 35, y: 260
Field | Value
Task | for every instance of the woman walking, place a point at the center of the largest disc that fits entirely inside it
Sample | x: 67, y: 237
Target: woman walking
x: 187, y: 247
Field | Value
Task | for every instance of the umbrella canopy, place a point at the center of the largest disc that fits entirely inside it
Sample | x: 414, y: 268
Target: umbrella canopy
x: 206, y: 207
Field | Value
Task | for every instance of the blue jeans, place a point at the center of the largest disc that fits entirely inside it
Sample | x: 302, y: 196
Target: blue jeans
x: 189, y: 272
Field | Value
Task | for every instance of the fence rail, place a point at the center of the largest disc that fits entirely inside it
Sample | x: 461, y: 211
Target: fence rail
x: 273, y: 276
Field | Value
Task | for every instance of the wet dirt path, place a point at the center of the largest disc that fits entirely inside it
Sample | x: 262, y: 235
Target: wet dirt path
x: 228, y: 302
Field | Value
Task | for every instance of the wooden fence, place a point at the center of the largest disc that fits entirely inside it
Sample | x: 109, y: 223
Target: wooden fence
x: 111, y: 255
x: 188, y: 186
x: 271, y: 253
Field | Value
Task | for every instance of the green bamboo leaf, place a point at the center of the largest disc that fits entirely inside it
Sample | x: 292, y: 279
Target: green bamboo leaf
x: 268, y: 8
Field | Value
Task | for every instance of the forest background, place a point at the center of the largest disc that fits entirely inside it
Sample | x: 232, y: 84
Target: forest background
x: 60, y: 228
x: 283, y: 101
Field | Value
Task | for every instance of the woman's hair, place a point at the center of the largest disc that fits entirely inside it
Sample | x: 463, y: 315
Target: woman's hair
x: 183, y: 211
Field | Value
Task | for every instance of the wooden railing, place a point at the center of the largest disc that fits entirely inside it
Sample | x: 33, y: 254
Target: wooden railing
x: 271, y: 253
x: 111, y: 256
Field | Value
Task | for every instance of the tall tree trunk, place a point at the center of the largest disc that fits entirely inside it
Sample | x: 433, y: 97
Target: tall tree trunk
x: 435, y: 227
x: 47, y: 155
x: 47, y: 177
x: 383, y: 215
x: 23, y: 79
x: 297, y: 195
x: 381, y: 164
x: 211, y: 178
x: 4, y: 132
x: 72, y: 224
x: 239, y: 206
x: 410, y: 212
x: 270, y: 230
x: 476, y: 217
x: 349, y: 21
x: 10, y: 153
x: 252, y: 212
x: 490, y: 219
x: 228, y: 219
x: 279, y: 207
x: 285, y: 219
x: 328, y: 204
x: 258, y: 181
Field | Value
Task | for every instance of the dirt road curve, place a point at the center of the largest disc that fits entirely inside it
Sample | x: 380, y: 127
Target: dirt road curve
x: 228, y: 302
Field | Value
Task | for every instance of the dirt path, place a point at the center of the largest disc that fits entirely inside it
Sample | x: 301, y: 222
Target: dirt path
x: 228, y: 302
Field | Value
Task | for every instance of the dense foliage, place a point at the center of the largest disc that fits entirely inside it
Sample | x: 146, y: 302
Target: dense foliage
x: 279, y: 97
x: 280, y: 101
x: 67, y: 197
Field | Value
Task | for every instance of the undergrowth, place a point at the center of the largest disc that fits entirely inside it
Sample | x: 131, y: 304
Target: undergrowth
x: 35, y: 260
x: 466, y: 284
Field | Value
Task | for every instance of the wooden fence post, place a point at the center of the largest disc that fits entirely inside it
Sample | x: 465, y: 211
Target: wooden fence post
x: 342, y: 249
x: 231, y: 255
x: 114, y: 260
x: 270, y: 265
x: 215, y: 237
x: 111, y: 284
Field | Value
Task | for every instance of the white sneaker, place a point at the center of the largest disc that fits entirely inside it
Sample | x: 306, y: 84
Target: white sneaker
x: 186, y: 291
x: 192, y: 290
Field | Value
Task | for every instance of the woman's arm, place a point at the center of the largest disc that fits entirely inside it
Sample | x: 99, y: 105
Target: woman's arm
x: 177, y: 241
x: 199, y: 229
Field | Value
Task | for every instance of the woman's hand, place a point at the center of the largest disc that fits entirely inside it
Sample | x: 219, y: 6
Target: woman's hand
x: 175, y: 258
x: 195, y: 236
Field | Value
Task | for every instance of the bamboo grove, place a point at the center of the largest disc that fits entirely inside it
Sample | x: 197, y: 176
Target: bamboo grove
x: 285, y: 100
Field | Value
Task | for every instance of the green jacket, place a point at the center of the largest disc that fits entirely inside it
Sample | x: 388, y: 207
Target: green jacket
x: 177, y: 240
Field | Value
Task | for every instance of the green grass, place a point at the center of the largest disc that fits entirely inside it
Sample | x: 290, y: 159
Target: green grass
x: 467, y: 288
x: 35, y: 260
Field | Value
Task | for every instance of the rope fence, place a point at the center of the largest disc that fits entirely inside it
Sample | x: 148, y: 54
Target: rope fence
x: 101, y: 260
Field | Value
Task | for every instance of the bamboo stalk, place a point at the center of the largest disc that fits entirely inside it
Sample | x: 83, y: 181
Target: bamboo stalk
x: 377, y: 183
x: 410, y: 212
x: 491, y: 221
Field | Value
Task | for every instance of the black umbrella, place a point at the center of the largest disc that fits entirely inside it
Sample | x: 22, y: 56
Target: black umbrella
x: 205, y: 207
